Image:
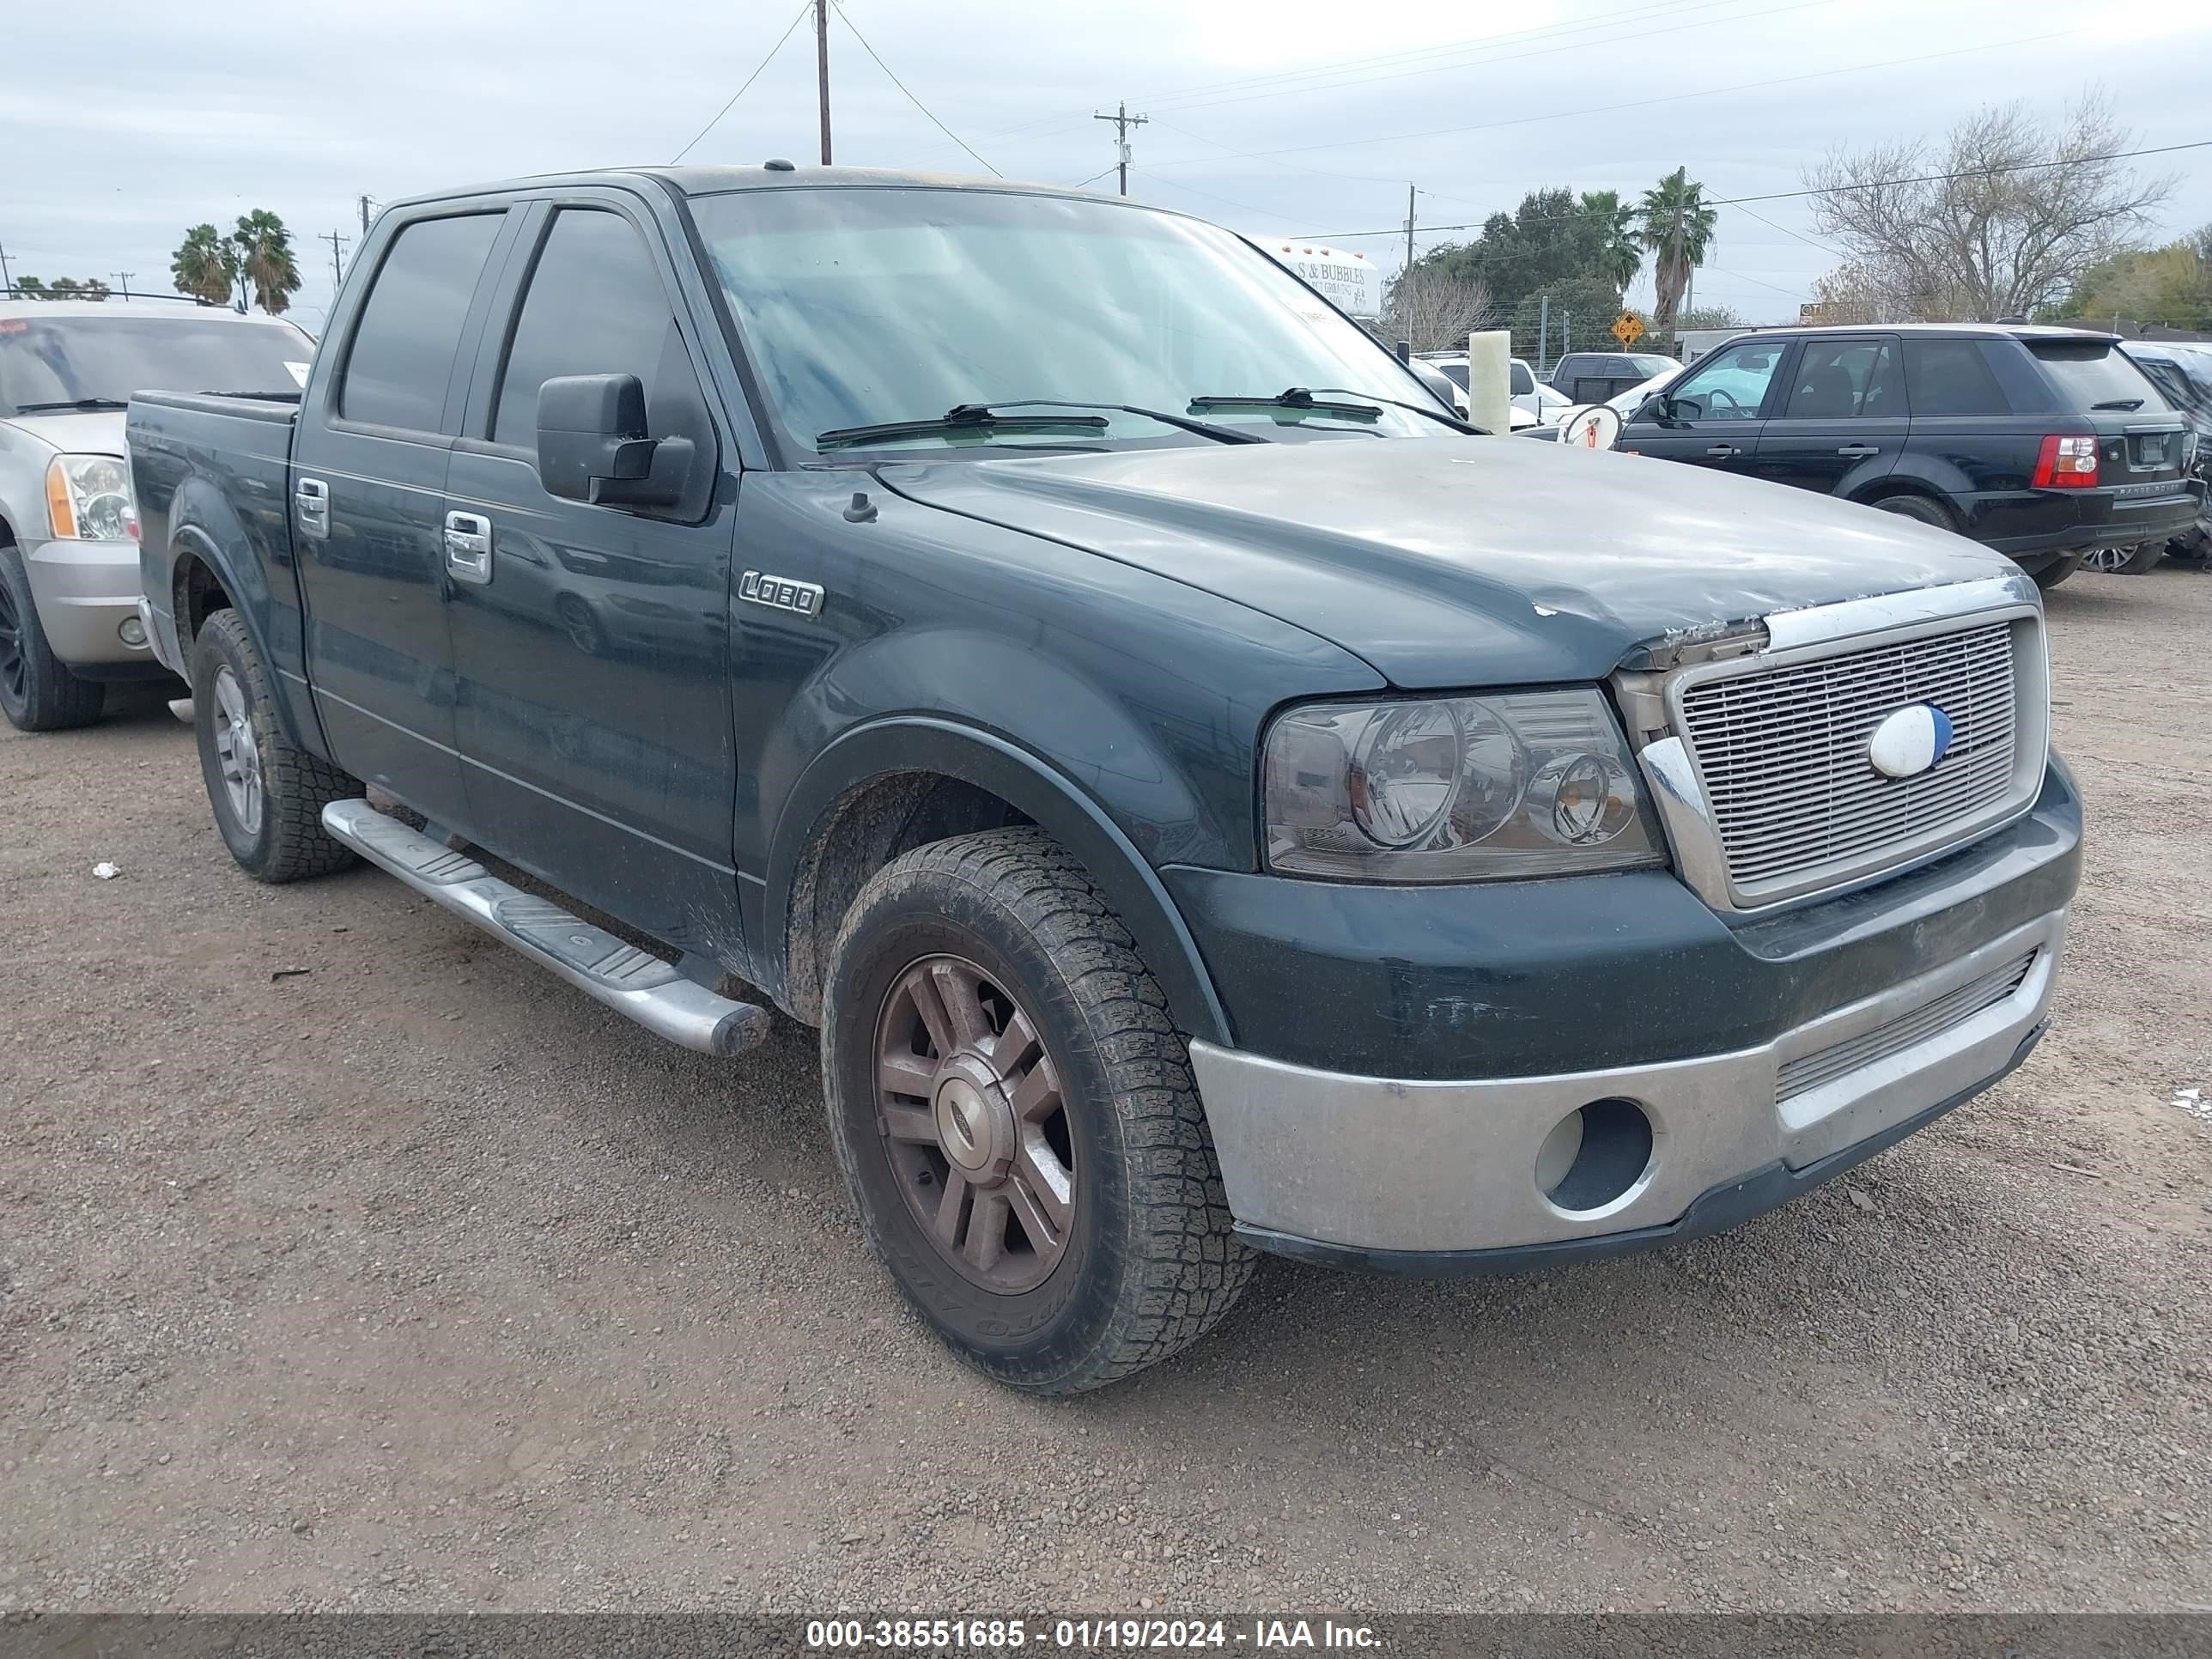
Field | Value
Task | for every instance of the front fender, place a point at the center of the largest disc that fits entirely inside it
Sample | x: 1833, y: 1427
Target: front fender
x: 1042, y: 792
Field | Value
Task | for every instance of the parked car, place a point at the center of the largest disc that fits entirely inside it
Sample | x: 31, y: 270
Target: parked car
x: 1528, y: 393
x: 1220, y: 814
x: 1592, y: 377
x: 2043, y: 443
x: 68, y: 557
x: 2182, y: 371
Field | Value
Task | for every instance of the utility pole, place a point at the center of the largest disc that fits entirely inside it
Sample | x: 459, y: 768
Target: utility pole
x: 1122, y: 121
x: 1409, y: 227
x: 821, y: 70
x: 338, y: 246
x: 123, y: 281
x: 364, y: 215
x: 6, y: 282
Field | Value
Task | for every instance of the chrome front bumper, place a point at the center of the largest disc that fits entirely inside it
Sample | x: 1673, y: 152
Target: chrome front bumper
x: 1353, y: 1165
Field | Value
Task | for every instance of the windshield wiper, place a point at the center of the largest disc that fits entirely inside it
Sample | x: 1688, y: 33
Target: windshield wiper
x: 960, y: 418
x: 1301, y: 397
x: 72, y: 402
x: 2120, y: 402
x: 1227, y: 434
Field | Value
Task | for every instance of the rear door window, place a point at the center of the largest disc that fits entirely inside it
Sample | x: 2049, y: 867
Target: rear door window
x: 403, y: 349
x: 1523, y: 381
x: 1951, y: 377
x: 2091, y: 374
x: 1844, y: 379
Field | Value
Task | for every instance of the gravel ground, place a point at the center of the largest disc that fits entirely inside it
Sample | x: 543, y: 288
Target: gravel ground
x: 417, y: 1281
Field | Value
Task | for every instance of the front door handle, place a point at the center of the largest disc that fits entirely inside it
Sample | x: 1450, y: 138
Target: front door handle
x: 468, y: 547
x: 1860, y: 452
x: 1722, y: 451
x: 311, y: 499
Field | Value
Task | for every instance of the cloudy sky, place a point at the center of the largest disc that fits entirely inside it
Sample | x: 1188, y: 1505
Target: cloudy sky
x: 1303, y: 117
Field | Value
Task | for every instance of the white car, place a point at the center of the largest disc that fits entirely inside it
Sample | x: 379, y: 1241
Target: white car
x: 1530, y: 395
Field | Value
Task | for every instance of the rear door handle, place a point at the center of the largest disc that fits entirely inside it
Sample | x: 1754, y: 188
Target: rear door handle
x: 1723, y: 451
x: 1860, y: 452
x: 311, y: 499
x: 468, y: 547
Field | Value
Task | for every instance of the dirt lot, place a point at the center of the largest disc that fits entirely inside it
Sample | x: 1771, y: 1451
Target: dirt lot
x: 418, y: 1280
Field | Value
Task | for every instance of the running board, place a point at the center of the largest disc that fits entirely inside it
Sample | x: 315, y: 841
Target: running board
x: 627, y: 980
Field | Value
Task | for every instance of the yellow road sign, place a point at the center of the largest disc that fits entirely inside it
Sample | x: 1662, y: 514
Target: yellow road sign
x: 1627, y: 329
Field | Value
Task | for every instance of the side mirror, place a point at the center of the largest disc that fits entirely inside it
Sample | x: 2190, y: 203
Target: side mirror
x: 1657, y: 407
x: 593, y: 446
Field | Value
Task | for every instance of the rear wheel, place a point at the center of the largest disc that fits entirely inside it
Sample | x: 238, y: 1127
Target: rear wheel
x: 268, y: 795
x: 2057, y: 571
x: 1925, y: 509
x: 37, y: 691
x: 1014, y: 1112
x: 2125, y: 561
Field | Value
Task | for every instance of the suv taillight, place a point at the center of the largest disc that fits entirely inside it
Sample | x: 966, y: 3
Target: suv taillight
x: 2067, y: 464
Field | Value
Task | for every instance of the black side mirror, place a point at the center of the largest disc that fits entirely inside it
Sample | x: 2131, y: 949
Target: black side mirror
x: 592, y: 445
x: 1656, y: 407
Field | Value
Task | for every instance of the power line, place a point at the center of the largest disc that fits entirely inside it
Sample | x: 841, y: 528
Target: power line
x: 1829, y: 190
x: 911, y: 99
x: 734, y: 96
x: 1226, y: 201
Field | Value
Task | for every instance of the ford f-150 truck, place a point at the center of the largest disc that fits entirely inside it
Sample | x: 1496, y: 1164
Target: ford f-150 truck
x: 1179, y: 769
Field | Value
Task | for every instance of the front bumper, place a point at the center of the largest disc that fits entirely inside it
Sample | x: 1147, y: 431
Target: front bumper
x: 86, y: 592
x: 1317, y: 1162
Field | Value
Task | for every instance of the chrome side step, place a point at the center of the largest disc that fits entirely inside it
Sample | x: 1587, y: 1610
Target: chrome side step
x: 627, y: 980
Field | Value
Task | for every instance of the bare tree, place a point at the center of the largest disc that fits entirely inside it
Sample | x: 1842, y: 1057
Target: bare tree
x: 1436, y: 310
x: 1857, y: 292
x: 1999, y: 219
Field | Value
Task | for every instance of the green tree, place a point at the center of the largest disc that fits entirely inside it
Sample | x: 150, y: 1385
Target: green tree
x: 1621, y: 256
x: 30, y: 288
x: 1582, y: 309
x: 206, y: 266
x: 2170, y: 285
x: 65, y: 288
x: 1548, y: 238
x: 1675, y: 221
x: 1708, y: 316
x: 265, y: 261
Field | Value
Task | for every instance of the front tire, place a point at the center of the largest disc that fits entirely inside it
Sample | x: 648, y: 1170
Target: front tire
x: 1014, y: 1113
x: 268, y: 795
x: 38, y: 693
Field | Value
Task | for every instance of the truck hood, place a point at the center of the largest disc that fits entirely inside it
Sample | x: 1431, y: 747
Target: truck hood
x: 1457, y: 562
x: 76, y: 432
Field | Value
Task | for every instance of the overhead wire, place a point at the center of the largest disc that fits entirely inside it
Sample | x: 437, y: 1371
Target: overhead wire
x: 911, y: 99
x: 740, y: 91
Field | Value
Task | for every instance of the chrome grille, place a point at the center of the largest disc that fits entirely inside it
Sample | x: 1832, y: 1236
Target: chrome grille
x: 1783, y: 754
x: 1808, y: 1071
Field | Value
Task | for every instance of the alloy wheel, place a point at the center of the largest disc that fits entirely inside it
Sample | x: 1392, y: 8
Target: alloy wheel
x: 237, y: 752
x: 969, y: 1109
x: 14, y: 669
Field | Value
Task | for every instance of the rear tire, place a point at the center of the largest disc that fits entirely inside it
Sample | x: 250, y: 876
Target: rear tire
x: 2125, y: 561
x: 268, y: 795
x: 38, y: 693
x: 1925, y: 509
x: 999, y: 1063
x: 2057, y: 571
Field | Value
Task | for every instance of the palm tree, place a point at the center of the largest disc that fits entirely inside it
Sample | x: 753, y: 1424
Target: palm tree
x: 1619, y: 258
x: 264, y: 259
x: 206, y: 266
x: 1674, y: 220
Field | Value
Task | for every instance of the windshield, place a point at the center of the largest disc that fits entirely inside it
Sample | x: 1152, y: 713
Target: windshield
x: 2092, y: 372
x: 65, y: 360
x: 865, y: 305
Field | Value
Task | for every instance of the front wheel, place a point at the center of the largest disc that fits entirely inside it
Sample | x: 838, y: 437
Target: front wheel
x: 268, y: 795
x: 1014, y: 1112
x: 38, y: 693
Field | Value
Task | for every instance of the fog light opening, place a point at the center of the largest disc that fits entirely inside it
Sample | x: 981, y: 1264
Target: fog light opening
x: 131, y: 632
x: 1595, y: 1155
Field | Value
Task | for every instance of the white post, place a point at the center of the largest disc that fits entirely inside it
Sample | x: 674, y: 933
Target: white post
x: 1490, y: 380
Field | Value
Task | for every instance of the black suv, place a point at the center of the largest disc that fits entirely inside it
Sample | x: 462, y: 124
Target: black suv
x: 1591, y: 377
x: 2044, y: 443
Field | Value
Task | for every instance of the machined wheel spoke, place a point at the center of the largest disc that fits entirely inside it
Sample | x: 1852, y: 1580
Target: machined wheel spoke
x: 910, y: 1123
x: 1037, y: 1096
x: 946, y: 1223
x: 905, y: 1075
x: 987, y: 1231
x: 1039, y: 1172
x: 1016, y: 1046
x: 960, y: 990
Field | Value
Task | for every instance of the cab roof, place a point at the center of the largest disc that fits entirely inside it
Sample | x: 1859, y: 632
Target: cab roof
x: 716, y: 180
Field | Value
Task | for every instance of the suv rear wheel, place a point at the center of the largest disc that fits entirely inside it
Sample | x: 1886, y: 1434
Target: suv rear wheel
x: 1014, y: 1113
x: 2125, y: 561
x: 1926, y: 509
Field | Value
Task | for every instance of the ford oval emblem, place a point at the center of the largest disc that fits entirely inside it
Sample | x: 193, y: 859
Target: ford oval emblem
x: 1909, y: 741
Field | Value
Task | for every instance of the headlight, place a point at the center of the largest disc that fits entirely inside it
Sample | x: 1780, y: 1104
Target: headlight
x: 89, y: 499
x: 1525, y: 783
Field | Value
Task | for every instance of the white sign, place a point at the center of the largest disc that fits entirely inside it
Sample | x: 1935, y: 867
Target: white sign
x: 1349, y: 281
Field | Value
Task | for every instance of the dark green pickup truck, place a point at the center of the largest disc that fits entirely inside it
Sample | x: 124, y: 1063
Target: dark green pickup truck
x: 1202, y: 799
